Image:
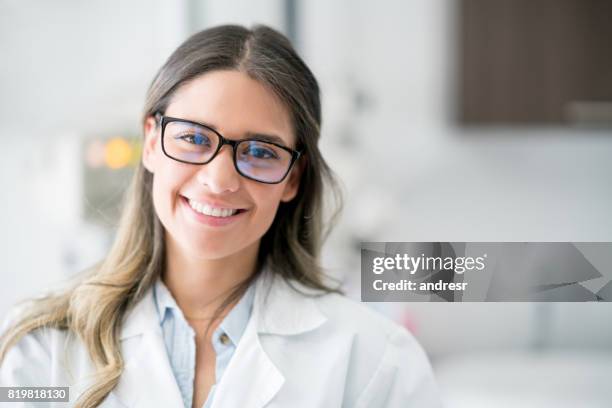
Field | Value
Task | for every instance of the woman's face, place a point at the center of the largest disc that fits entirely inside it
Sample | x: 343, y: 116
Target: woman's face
x: 235, y: 105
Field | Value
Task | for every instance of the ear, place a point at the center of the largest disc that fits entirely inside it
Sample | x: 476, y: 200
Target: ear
x: 149, y: 150
x: 293, y: 184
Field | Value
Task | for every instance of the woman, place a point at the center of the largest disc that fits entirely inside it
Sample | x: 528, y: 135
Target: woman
x: 212, y: 294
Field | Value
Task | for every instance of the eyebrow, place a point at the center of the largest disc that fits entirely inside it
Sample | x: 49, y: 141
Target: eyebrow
x: 249, y: 135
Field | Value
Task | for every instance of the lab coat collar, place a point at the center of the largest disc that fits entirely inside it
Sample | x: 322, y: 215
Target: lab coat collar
x: 278, y: 307
x: 281, y: 307
x: 251, y: 378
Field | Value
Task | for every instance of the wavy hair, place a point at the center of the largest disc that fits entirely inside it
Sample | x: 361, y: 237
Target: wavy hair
x: 92, y: 306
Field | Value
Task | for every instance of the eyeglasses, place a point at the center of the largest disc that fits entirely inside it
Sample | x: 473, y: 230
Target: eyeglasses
x: 256, y: 159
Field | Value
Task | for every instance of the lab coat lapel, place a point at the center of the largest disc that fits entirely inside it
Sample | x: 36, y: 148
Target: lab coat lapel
x: 251, y: 378
x: 147, y: 379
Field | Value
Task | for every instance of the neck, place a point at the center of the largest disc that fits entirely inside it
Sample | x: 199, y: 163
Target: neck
x: 200, y: 286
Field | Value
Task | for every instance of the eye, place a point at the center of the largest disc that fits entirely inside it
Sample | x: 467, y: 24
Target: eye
x: 196, y: 139
x: 260, y: 152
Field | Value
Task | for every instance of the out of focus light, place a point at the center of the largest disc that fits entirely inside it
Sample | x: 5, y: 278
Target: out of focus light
x: 136, y: 151
x: 118, y: 153
x: 94, y: 155
x: 114, y: 153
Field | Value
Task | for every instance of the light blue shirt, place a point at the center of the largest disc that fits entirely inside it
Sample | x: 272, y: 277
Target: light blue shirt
x: 180, y: 339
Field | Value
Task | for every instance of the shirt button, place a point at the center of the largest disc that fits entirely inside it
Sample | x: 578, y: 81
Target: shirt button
x: 224, y: 339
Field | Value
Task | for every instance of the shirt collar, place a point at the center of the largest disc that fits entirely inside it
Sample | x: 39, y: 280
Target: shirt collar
x: 163, y: 300
x: 234, y: 322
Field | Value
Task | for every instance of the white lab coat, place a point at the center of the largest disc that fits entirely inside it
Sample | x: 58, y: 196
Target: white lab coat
x: 296, y: 351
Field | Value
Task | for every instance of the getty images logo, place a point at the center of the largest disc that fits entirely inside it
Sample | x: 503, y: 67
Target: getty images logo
x: 413, y: 264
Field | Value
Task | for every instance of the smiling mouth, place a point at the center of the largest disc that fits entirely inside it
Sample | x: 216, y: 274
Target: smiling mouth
x: 212, y: 211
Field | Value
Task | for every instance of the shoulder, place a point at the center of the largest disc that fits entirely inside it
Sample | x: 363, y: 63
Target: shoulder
x: 357, y: 317
x: 40, y: 357
x: 384, y: 363
x: 26, y: 362
x: 335, y: 314
x: 287, y: 300
x: 341, y: 314
x: 376, y: 337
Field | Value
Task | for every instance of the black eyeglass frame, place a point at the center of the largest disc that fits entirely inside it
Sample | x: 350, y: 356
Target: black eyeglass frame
x: 164, y: 120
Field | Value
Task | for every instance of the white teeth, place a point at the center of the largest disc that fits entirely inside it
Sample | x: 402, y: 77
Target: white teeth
x: 212, y: 211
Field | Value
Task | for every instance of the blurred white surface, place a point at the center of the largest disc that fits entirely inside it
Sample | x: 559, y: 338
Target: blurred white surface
x: 526, y: 380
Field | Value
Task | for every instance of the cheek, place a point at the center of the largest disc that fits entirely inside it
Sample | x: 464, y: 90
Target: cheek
x: 267, y: 201
x: 166, y: 185
x: 160, y: 201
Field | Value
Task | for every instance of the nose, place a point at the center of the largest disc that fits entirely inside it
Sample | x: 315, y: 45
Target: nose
x: 220, y: 175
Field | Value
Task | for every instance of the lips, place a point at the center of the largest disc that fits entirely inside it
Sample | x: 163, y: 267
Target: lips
x: 215, y: 204
x: 220, y: 220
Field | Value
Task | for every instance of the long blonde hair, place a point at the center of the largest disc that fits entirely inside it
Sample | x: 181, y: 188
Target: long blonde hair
x: 94, y: 304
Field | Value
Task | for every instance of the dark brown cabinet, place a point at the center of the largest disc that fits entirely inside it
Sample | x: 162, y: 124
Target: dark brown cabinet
x: 535, y: 61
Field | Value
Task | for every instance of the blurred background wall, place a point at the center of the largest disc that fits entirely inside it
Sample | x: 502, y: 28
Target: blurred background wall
x: 74, y: 74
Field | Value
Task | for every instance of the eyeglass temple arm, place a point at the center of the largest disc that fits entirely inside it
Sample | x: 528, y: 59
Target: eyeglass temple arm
x: 158, y: 117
